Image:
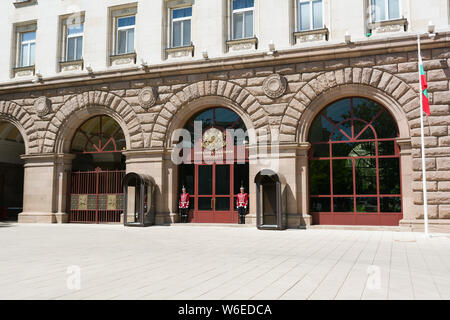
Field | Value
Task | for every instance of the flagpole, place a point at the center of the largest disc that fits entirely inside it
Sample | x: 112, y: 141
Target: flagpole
x: 424, y: 172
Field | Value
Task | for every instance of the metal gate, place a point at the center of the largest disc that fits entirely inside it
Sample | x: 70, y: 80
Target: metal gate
x: 96, y: 196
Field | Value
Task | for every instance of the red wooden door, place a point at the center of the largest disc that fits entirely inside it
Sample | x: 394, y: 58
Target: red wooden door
x: 214, y: 200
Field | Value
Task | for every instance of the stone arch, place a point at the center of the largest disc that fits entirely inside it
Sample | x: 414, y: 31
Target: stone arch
x: 80, y: 107
x: 13, y: 113
x: 393, y: 93
x: 203, y: 94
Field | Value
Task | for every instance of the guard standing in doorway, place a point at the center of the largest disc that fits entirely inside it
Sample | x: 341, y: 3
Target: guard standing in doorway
x: 184, y: 205
x: 242, y: 203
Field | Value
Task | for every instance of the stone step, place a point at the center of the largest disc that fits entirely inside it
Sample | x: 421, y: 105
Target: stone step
x: 367, y: 228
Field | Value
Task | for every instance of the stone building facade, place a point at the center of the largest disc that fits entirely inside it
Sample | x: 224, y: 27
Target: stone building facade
x: 279, y: 95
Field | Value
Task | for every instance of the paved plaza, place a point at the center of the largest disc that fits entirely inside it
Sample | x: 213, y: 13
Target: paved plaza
x: 219, y: 262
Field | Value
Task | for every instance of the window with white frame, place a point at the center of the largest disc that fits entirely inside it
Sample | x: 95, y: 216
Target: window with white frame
x: 242, y: 19
x: 384, y: 10
x: 125, y: 34
x: 310, y: 15
x: 27, y: 47
x: 181, y: 27
x: 74, y: 42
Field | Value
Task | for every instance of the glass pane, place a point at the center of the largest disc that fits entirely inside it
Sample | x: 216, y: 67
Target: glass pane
x: 338, y: 111
x: 390, y: 205
x: 28, y: 36
x: 343, y: 132
x: 366, y: 176
x: 385, y: 126
x: 241, y: 4
x: 222, y: 204
x: 304, y: 16
x: 320, y: 204
x: 32, y: 53
x: 71, y: 49
x: 187, y: 177
x: 394, y: 9
x: 386, y: 148
x: 225, y: 117
x: 176, y: 36
x: 241, y: 177
x: 206, y: 118
x: 126, y: 22
x: 107, y: 143
x: 379, y: 10
x: 362, y: 131
x: 79, y: 53
x: 343, y: 205
x: 319, y: 177
x: 78, y: 143
x: 204, y: 204
x: 320, y: 130
x: 120, y: 140
x: 186, y: 32
x: 182, y: 13
x: 321, y: 150
x: 317, y: 14
x: 389, y: 176
x: 248, y: 24
x: 205, y: 176
x: 222, y: 179
x: 24, y: 55
x: 342, y: 176
x: 365, y: 109
x: 363, y: 149
x: 75, y: 29
x: 366, y: 205
x: 238, y: 25
x: 122, y: 42
x: 130, y: 42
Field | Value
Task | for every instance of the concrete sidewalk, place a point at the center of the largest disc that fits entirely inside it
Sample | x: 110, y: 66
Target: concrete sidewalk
x: 219, y: 262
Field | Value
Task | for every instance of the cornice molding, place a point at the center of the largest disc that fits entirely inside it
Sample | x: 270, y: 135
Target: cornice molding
x: 252, y: 60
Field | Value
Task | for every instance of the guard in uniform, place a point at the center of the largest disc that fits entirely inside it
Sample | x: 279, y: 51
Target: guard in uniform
x: 184, y: 205
x: 242, y: 203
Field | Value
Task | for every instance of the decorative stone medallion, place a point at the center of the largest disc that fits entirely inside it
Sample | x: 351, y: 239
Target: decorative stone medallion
x: 42, y: 106
x: 147, y: 97
x: 213, y: 139
x: 274, y: 86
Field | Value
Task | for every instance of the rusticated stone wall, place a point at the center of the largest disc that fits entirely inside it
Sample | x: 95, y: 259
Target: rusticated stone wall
x: 395, y: 75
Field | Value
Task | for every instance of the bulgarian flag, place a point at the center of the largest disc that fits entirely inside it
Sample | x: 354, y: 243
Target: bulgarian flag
x: 424, y: 87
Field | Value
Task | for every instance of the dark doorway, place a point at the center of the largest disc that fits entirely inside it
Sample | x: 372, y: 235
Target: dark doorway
x: 11, y: 172
x: 213, y: 186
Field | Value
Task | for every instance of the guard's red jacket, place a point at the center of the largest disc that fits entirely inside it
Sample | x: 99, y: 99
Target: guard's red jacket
x: 242, y: 200
x: 184, y: 201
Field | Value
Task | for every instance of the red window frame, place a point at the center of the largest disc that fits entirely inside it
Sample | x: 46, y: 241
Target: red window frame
x: 354, y: 217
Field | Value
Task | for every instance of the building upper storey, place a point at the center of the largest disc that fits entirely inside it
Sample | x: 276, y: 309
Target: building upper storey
x: 51, y: 38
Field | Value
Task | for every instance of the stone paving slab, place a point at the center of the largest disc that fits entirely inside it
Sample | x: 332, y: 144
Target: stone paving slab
x: 219, y: 262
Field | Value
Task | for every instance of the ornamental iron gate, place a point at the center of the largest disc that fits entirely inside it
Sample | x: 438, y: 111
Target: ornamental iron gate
x: 96, y: 196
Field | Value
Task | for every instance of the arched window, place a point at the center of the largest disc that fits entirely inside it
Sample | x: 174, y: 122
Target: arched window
x: 354, y: 167
x: 98, y: 143
x: 219, y: 118
x: 100, y: 134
